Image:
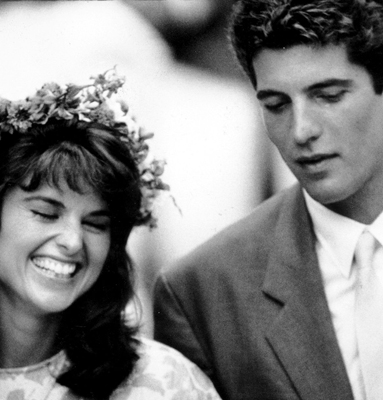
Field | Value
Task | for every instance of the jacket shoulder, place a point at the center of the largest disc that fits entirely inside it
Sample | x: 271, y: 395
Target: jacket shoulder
x: 246, y: 242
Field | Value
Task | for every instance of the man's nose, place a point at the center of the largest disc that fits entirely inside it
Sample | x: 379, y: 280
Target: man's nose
x: 306, y: 125
x: 70, y: 237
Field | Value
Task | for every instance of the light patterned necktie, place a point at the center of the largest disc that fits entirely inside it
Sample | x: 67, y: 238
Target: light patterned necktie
x: 369, y: 314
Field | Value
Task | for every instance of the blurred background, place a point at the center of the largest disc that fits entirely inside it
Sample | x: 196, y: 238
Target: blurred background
x: 182, y: 83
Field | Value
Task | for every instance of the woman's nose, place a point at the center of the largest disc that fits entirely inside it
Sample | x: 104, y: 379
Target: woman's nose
x: 70, y: 238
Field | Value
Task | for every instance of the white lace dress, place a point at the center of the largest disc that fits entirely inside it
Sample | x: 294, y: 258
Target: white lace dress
x: 161, y: 373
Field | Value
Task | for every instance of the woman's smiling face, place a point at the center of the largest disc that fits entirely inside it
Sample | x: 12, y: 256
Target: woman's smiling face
x: 53, y: 246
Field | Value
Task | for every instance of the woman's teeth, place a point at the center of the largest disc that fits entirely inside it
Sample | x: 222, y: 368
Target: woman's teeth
x: 54, y: 268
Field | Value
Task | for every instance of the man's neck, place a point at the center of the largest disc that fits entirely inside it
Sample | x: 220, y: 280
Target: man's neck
x: 363, y: 213
x: 363, y: 206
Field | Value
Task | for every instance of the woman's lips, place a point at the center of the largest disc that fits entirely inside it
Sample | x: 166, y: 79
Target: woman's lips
x: 55, y: 268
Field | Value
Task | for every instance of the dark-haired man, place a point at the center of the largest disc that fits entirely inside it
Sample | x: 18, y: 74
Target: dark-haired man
x: 274, y: 307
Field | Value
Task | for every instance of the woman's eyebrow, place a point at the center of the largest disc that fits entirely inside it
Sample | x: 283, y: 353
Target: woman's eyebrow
x: 101, y: 213
x: 45, y: 199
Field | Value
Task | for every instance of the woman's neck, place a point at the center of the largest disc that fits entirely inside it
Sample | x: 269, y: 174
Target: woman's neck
x: 25, y: 339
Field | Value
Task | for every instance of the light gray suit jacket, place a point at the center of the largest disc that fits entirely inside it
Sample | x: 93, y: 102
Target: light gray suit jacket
x: 249, y: 308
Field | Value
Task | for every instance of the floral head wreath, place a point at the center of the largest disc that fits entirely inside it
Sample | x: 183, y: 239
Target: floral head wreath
x: 92, y: 103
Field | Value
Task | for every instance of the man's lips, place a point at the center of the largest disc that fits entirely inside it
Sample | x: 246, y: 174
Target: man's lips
x: 314, y: 159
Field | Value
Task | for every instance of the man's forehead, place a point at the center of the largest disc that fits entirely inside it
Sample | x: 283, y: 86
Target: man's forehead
x: 303, y: 65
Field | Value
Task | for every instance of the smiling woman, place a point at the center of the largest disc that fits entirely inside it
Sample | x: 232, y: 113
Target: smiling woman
x: 75, y: 178
x: 53, y: 245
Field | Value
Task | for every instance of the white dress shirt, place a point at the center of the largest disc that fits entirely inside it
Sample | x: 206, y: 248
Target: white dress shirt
x: 336, y: 239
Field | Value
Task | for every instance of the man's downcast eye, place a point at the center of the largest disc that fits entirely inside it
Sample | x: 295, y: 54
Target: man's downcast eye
x: 274, y: 107
x: 275, y: 104
x: 328, y: 97
x: 332, y: 97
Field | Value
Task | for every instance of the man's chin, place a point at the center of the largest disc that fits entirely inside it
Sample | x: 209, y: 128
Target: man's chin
x: 326, y: 195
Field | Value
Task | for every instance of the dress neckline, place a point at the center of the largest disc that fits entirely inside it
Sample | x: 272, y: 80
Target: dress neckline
x: 54, y: 364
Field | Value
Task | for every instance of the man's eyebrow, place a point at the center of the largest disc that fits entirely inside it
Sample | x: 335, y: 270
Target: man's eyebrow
x: 345, y: 83
x: 264, y: 94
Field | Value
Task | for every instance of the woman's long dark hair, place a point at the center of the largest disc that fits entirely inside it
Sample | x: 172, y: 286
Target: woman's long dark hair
x: 98, y: 342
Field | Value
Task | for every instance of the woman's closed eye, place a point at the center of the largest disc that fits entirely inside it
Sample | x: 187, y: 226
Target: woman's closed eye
x: 47, y: 216
x: 99, y: 224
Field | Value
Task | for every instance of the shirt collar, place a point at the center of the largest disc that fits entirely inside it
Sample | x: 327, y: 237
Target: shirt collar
x: 376, y: 228
x: 338, y: 234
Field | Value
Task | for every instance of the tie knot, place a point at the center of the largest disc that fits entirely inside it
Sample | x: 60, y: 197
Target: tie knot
x: 364, y: 250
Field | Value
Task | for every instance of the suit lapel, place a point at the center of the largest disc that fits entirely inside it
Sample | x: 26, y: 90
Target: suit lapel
x: 302, y: 336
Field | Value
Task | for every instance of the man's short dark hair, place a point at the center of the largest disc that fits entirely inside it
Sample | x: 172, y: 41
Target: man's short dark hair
x: 280, y: 24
